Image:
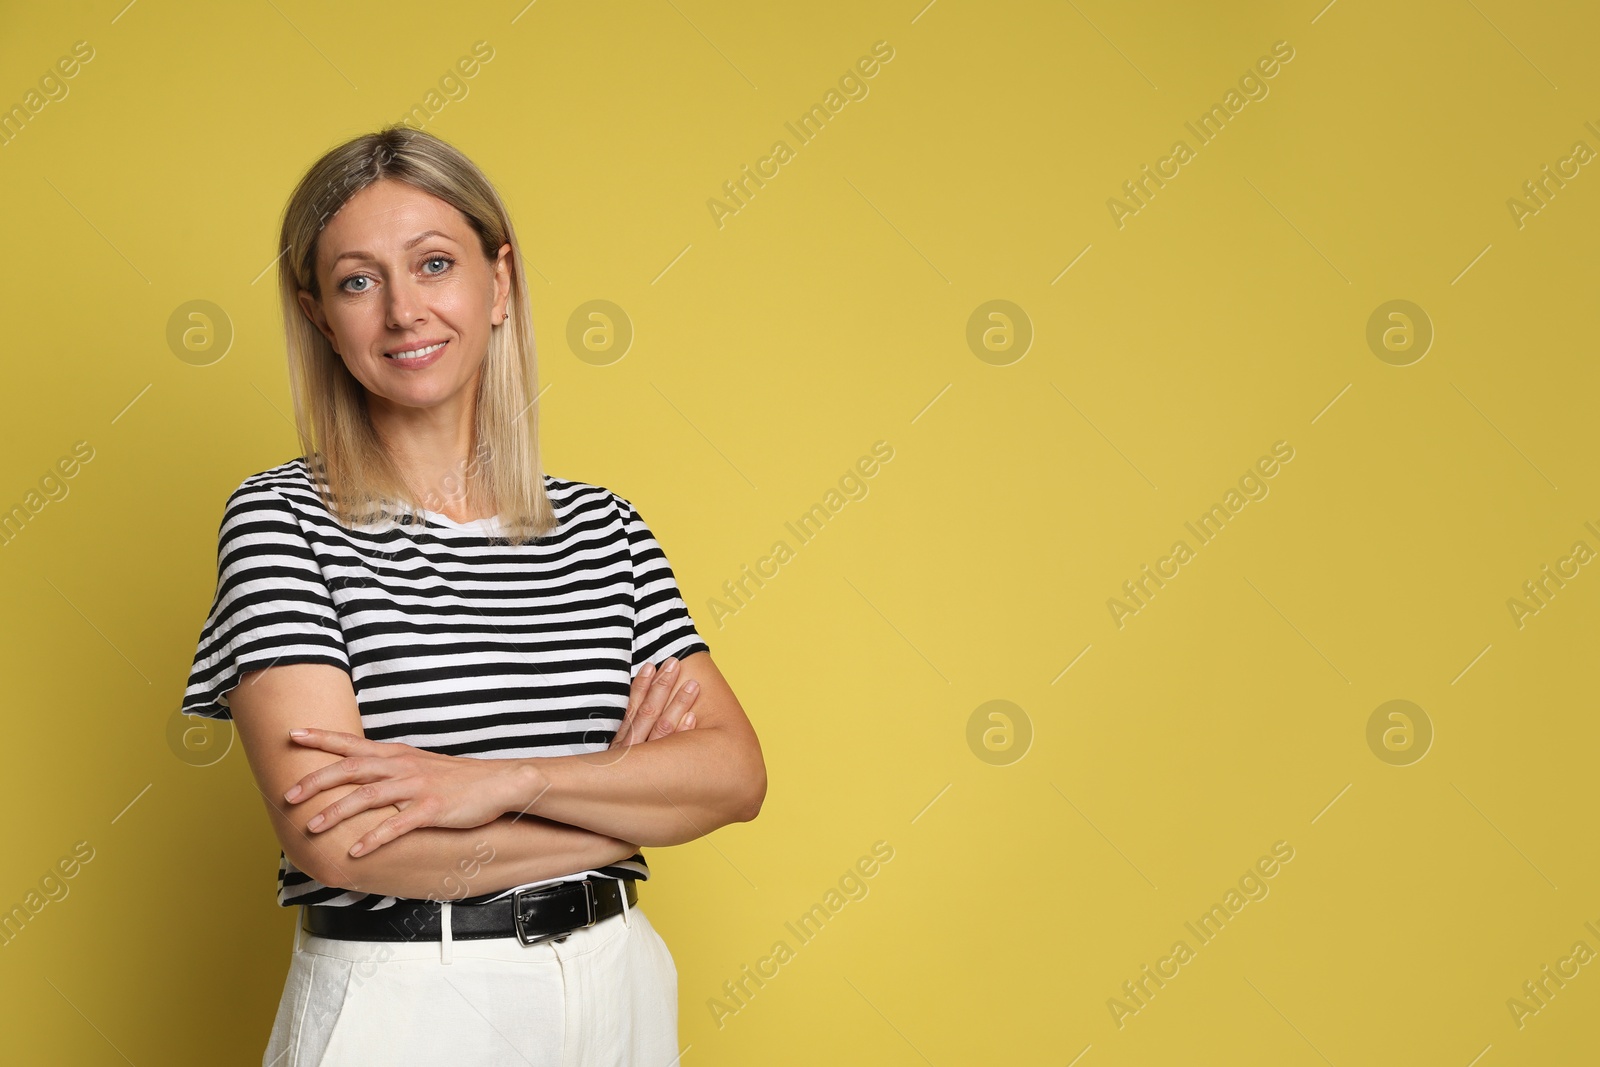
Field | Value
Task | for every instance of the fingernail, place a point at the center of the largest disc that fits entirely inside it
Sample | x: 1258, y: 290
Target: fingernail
x: 357, y: 849
x: 314, y: 823
x: 298, y: 733
x: 292, y: 794
x: 671, y: 665
x: 690, y: 686
x: 648, y: 669
x: 688, y: 720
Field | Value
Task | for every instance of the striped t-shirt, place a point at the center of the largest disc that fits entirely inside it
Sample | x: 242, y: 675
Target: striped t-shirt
x: 454, y: 643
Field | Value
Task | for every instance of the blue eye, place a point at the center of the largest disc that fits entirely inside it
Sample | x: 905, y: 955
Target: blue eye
x: 344, y: 286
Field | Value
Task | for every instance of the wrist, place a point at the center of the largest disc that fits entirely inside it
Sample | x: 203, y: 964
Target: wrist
x: 526, y: 783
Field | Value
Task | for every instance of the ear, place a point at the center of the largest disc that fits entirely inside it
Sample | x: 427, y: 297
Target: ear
x: 313, y: 311
x: 502, y: 281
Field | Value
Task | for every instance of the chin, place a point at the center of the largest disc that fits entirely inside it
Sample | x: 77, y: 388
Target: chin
x: 416, y: 400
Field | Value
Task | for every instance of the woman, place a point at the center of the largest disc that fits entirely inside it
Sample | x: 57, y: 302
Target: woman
x: 489, y: 670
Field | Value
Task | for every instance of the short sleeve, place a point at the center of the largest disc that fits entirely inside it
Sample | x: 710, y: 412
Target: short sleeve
x: 272, y: 605
x: 662, y: 626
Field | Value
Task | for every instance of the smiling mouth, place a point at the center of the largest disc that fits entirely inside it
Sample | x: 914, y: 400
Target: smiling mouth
x: 416, y: 353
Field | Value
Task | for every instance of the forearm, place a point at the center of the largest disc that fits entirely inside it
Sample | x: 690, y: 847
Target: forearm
x: 665, y: 792
x: 442, y: 863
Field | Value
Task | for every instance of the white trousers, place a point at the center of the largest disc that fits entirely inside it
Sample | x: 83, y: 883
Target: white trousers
x: 607, y: 996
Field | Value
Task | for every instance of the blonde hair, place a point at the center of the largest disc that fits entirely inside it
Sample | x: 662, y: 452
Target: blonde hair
x: 352, y: 470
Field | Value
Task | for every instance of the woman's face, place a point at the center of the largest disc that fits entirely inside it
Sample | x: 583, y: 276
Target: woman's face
x: 400, y: 269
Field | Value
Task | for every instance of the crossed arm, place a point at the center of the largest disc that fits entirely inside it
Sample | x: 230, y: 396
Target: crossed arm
x: 540, y: 818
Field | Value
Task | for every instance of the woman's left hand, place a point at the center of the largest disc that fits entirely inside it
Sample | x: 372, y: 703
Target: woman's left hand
x: 429, y: 788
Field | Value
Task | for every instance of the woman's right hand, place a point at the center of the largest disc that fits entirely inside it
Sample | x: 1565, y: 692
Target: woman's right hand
x: 650, y: 714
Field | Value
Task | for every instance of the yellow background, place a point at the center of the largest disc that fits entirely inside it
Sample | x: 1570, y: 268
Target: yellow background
x: 769, y: 354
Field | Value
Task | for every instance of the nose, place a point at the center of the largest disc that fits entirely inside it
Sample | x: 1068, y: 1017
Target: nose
x: 404, y: 308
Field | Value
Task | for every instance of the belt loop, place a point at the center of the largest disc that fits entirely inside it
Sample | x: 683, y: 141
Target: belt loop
x: 444, y: 939
x: 622, y: 892
x: 299, y: 927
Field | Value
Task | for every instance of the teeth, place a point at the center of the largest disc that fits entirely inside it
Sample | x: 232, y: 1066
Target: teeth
x: 419, y: 353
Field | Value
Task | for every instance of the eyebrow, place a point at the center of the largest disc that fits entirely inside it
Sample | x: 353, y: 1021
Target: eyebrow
x: 418, y: 239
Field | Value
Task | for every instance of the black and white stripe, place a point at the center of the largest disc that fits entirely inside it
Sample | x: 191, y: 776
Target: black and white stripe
x: 455, y: 642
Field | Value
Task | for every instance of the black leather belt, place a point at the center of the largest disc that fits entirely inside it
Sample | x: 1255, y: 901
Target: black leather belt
x: 543, y: 913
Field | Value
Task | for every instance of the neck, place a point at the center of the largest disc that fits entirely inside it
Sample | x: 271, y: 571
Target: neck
x: 432, y: 449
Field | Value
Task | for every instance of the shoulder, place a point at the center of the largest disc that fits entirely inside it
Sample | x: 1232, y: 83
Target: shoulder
x: 285, y: 490
x: 573, y: 499
x: 291, y: 474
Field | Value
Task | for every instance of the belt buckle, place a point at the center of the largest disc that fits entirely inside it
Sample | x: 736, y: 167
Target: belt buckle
x: 551, y: 890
